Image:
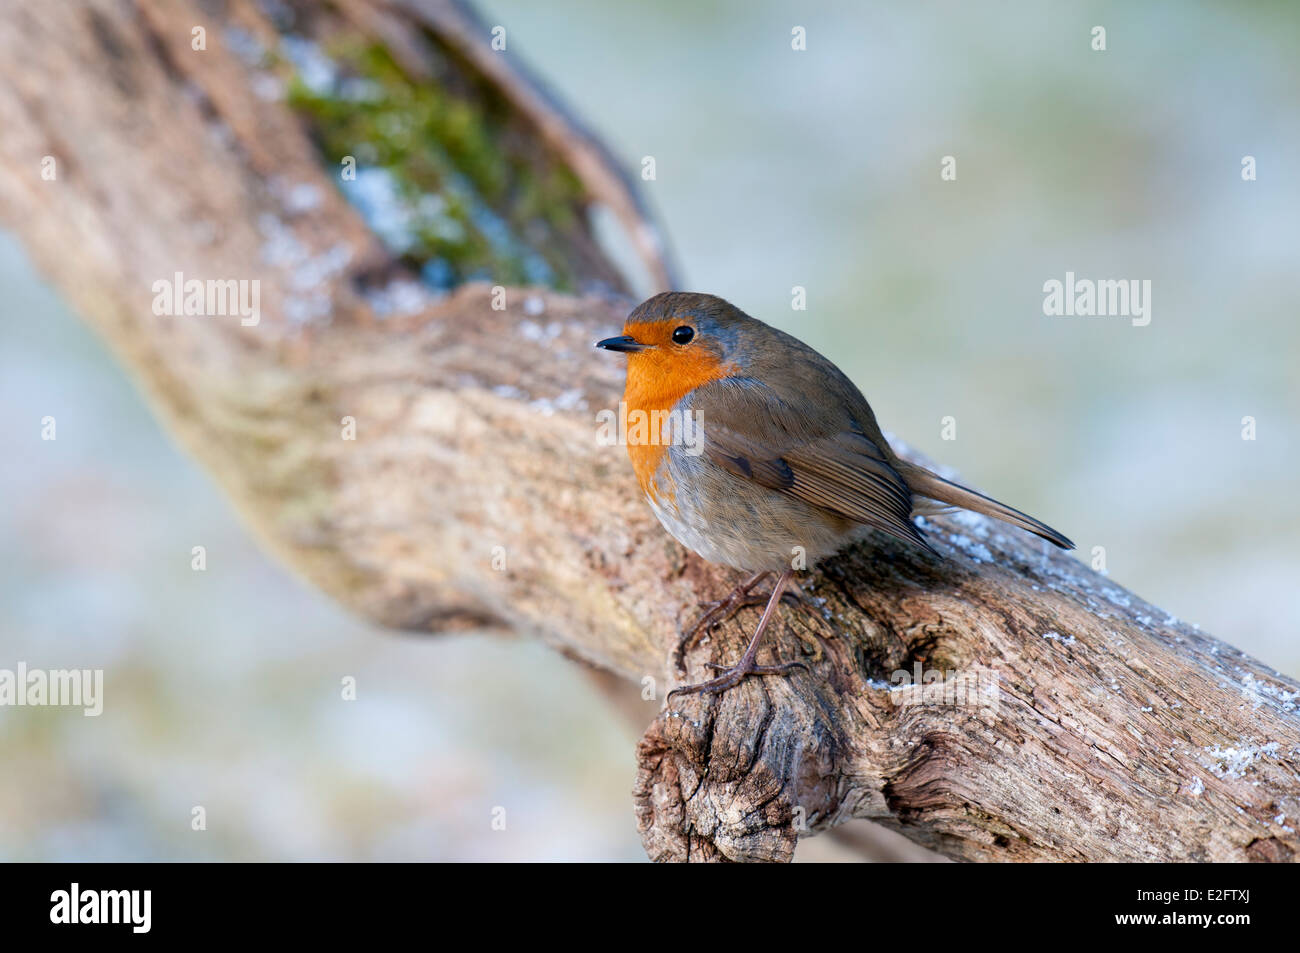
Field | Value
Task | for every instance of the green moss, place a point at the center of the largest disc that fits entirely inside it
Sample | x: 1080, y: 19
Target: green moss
x: 477, y: 195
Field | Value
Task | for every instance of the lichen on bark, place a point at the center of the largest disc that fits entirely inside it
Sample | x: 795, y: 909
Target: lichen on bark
x: 446, y: 174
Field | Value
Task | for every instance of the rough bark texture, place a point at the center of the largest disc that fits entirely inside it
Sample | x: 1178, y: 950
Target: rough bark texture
x: 1093, y: 726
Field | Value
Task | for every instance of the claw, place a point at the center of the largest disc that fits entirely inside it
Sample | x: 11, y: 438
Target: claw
x: 734, y: 675
x: 717, y: 613
x: 780, y: 669
x: 748, y: 664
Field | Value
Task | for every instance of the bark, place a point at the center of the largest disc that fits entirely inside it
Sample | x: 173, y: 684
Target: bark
x: 1092, y: 726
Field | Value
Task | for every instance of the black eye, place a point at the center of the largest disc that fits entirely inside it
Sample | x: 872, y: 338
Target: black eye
x: 683, y: 334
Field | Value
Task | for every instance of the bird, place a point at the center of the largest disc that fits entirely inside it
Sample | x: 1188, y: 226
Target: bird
x: 760, y: 454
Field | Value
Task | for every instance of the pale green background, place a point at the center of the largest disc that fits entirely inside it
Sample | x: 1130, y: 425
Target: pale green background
x: 775, y: 169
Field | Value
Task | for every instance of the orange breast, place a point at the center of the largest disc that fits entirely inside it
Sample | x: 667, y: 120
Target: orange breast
x: 656, y: 380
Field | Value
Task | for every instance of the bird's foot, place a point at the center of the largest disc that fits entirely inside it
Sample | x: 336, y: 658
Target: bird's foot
x: 717, y: 613
x: 733, y: 676
x: 748, y: 664
x: 733, y: 603
x: 721, y: 610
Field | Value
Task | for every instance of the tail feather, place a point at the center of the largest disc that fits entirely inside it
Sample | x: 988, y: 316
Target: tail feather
x: 924, y: 483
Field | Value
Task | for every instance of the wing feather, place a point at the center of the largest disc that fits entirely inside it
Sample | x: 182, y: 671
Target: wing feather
x: 749, y: 430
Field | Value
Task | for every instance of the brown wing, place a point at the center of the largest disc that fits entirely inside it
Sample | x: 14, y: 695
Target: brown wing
x: 825, y: 460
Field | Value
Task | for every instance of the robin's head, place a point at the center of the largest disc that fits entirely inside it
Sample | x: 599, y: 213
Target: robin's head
x: 676, y: 342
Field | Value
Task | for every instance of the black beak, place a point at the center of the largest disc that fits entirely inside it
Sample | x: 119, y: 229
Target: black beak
x: 624, y: 343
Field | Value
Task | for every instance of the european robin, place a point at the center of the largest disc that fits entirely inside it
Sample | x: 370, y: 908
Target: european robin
x: 758, y: 448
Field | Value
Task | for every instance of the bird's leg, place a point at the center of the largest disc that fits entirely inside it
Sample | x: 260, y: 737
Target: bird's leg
x: 748, y: 662
x: 719, y: 612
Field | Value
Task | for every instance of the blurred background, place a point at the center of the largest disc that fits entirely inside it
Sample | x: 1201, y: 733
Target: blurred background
x: 774, y: 169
